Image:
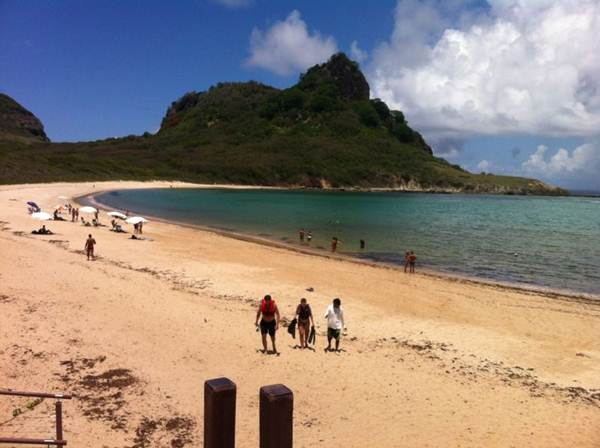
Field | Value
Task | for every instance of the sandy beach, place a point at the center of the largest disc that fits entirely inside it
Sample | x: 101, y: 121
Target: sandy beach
x: 426, y: 361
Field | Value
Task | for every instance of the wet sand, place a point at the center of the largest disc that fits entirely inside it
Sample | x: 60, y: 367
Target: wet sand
x: 427, y: 361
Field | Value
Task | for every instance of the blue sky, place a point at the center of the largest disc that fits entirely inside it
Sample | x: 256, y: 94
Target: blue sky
x: 467, y: 73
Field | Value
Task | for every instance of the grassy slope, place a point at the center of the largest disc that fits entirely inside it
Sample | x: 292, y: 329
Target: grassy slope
x: 317, y: 133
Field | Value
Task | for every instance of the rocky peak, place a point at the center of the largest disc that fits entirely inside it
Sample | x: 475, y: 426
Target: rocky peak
x: 16, y: 121
x: 342, y: 72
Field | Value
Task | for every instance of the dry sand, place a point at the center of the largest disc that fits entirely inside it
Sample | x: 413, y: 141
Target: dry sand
x: 427, y: 362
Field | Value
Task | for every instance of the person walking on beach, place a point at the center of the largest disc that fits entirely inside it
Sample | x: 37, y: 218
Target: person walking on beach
x: 305, y: 318
x: 269, y: 322
x: 335, y: 323
x: 89, y: 247
x: 412, y: 259
x: 406, y: 260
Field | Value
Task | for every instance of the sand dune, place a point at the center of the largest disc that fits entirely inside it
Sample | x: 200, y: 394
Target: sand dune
x: 427, y: 362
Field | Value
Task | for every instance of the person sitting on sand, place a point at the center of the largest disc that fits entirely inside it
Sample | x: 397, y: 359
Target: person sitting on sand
x: 43, y: 231
x: 335, y: 323
x: 89, y: 247
x: 269, y: 322
x: 305, y: 318
x: 57, y: 216
x: 412, y: 259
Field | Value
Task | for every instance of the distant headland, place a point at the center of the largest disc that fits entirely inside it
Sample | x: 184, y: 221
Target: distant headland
x: 324, y: 132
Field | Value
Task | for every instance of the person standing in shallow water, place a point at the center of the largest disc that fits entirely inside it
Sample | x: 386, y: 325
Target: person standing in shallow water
x: 335, y: 323
x: 406, y: 260
x: 89, y: 247
x: 412, y: 259
x: 269, y: 322
x: 301, y: 235
x: 334, y: 243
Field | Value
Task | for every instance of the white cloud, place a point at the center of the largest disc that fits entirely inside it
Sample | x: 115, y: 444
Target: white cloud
x: 519, y: 67
x: 288, y: 47
x: 233, y: 4
x: 484, y: 165
x: 357, y: 54
x: 582, y: 162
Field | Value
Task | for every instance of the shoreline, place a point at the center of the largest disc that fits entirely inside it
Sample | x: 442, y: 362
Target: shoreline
x: 554, y: 293
x: 426, y: 360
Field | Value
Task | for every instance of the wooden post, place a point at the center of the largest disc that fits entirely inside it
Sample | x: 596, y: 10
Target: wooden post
x: 219, y: 413
x: 276, y: 416
x: 59, y: 424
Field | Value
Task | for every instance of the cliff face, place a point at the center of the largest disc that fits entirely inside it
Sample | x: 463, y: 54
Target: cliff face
x: 18, y: 122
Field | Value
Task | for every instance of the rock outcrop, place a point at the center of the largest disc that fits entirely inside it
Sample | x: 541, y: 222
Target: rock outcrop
x: 18, y: 122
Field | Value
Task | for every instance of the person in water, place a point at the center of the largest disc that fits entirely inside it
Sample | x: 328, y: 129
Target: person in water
x: 269, y: 322
x: 89, y: 247
x: 305, y: 318
x: 301, y: 235
x: 334, y: 243
x: 309, y: 236
x: 412, y: 259
x: 406, y: 260
x: 335, y: 323
x: 362, y: 244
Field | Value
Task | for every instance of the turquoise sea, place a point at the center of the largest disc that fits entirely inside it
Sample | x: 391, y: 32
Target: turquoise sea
x: 542, y: 241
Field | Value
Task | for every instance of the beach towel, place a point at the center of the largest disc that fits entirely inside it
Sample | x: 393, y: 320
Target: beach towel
x: 313, y: 336
x: 292, y: 328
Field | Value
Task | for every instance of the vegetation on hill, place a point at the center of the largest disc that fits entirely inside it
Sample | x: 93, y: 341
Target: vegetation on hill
x: 322, y: 132
x: 17, y: 123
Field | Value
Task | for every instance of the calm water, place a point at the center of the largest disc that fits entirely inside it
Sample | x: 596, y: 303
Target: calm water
x: 551, y: 242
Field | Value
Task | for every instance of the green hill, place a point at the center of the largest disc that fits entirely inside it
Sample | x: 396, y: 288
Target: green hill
x: 323, y: 132
x: 17, y: 123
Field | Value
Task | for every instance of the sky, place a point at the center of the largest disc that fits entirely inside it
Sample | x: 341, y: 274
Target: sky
x: 503, y: 86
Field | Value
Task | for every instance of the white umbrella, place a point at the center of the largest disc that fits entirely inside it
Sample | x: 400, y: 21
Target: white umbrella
x: 117, y: 215
x: 88, y: 209
x: 135, y: 220
x: 41, y: 216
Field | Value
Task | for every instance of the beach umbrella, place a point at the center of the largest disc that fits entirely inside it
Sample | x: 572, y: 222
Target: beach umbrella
x: 41, y: 216
x: 135, y: 220
x: 117, y: 215
x: 87, y: 209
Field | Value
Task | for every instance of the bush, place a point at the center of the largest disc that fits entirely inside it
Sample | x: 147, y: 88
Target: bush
x: 368, y: 115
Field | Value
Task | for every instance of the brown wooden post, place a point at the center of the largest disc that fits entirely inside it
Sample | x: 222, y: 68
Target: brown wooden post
x: 219, y: 413
x: 276, y: 416
x: 59, y: 424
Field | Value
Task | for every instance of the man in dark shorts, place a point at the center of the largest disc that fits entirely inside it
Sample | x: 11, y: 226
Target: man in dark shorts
x: 89, y: 247
x: 412, y: 259
x: 269, y: 322
x: 305, y: 318
x: 335, y: 323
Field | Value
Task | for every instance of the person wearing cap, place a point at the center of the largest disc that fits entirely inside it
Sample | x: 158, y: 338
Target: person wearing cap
x: 269, y: 322
x: 335, y: 323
